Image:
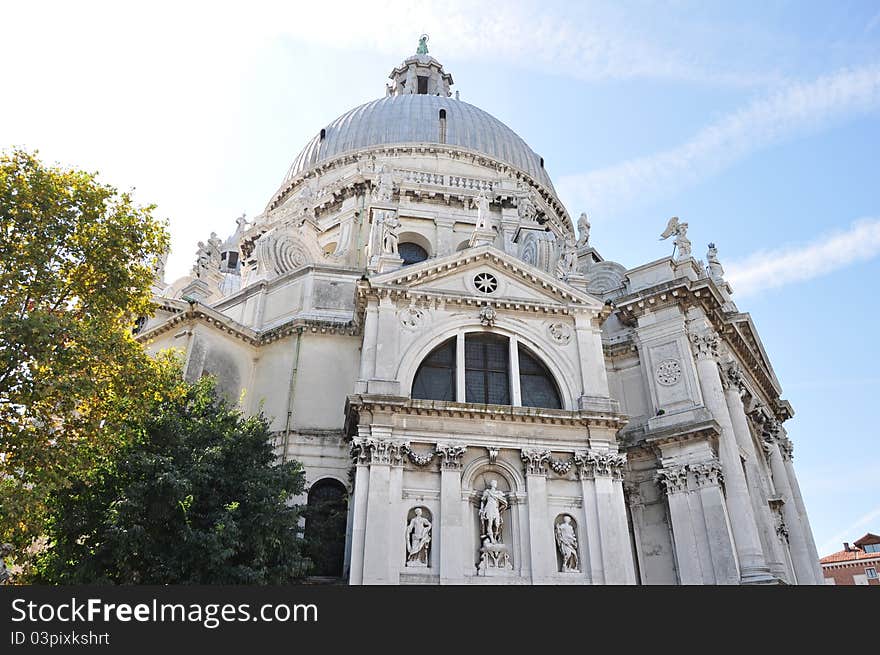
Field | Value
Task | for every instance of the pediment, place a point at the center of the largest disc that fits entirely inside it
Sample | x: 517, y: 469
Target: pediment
x: 458, y: 275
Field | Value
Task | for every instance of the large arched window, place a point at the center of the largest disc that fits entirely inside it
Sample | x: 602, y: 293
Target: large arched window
x: 435, y: 379
x: 411, y: 253
x: 486, y: 368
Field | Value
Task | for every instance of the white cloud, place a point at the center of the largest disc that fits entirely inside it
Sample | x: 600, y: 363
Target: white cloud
x: 835, y: 543
x: 789, y: 112
x: 769, y: 269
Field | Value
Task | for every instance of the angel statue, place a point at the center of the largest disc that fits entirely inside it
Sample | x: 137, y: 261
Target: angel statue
x: 681, y: 241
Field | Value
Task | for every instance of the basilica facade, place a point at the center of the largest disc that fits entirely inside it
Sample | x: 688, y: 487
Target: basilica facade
x: 487, y: 398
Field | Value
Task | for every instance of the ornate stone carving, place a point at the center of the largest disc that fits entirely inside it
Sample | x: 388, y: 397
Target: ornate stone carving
x: 568, y: 259
x: 492, y: 505
x: 731, y: 376
x: 488, y: 315
x: 411, y: 316
x: 781, y: 527
x: 704, y: 343
x: 561, y: 466
x: 716, y: 271
x: 592, y: 464
x: 378, y: 451
x: 583, y: 231
x: 493, y: 455
x: 668, y: 372
x: 566, y: 542
x: 535, y: 460
x: 450, y: 456
x: 419, y: 460
x: 673, y: 479
x: 525, y: 208
x: 786, y: 447
x: 485, y: 283
x: 560, y: 333
x: 418, y: 539
x: 383, y: 190
x: 707, y: 474
x: 682, y: 243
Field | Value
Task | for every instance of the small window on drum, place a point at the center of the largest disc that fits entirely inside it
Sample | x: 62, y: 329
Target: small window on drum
x: 537, y: 386
x: 435, y: 379
x: 411, y: 253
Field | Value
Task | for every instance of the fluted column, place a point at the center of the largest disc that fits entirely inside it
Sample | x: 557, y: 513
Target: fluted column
x: 451, y: 515
x: 732, y: 380
x: 753, y: 567
x: 800, y: 551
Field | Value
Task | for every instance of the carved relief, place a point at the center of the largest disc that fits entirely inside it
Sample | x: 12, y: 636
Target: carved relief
x: 450, y: 456
x: 378, y: 451
x: 673, y: 479
x: 561, y: 466
x: 707, y: 474
x: 418, y: 538
x: 560, y: 333
x: 731, y: 376
x: 535, y: 460
x: 410, y: 317
x: 668, y: 372
x: 488, y: 315
x: 419, y: 460
x: 567, y: 544
x: 592, y: 464
x: 704, y: 343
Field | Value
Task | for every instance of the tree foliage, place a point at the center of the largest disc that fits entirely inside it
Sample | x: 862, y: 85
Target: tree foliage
x: 196, y: 497
x: 76, y: 264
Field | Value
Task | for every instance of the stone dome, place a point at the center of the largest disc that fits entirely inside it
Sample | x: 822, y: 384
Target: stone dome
x: 415, y: 118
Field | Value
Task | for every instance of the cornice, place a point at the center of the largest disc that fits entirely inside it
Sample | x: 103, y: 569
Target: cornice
x: 453, y: 152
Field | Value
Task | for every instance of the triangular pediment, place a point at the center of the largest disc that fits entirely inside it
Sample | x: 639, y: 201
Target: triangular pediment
x: 458, y: 275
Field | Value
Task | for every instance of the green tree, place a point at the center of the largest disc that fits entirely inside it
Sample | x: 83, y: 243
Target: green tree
x: 197, y: 497
x: 76, y: 264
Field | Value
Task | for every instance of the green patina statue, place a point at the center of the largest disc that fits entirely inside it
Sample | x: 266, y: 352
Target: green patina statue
x: 423, y: 45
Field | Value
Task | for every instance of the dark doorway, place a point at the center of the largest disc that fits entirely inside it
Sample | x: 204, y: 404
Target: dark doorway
x: 325, y: 516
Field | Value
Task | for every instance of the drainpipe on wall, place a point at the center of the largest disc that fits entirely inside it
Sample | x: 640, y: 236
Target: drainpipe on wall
x: 290, y: 395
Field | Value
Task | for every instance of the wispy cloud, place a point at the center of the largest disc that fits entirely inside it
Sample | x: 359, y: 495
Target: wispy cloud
x: 795, y: 110
x: 769, y: 269
x: 834, y: 543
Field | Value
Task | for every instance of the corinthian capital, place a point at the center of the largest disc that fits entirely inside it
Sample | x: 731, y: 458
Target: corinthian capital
x: 592, y: 464
x: 704, y: 343
x: 732, y: 376
x: 707, y: 474
x: 673, y: 479
x: 535, y: 460
x: 450, y: 456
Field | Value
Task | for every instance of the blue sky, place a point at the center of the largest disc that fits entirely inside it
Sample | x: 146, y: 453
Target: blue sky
x: 758, y: 123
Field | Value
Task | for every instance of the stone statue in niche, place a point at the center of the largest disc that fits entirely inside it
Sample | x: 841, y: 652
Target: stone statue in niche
x: 566, y: 542
x: 390, y: 234
x: 492, y: 504
x: 418, y: 539
x: 494, y: 553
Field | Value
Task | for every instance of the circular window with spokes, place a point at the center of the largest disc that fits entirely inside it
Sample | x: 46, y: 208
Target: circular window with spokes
x: 485, y: 283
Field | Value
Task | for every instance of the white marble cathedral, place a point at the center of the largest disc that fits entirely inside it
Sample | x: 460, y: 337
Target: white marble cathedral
x: 491, y: 400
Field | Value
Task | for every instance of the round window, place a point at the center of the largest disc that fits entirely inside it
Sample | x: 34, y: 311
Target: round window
x: 485, y: 282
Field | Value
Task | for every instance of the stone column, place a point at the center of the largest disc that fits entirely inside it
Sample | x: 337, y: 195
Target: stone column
x: 798, y: 545
x: 707, y: 477
x: 788, y: 456
x: 376, y: 569
x: 607, y: 530
x: 732, y: 380
x: 541, y: 541
x: 674, y: 481
x: 360, y: 455
x: 451, y: 519
x: 752, y: 565
x: 397, y: 524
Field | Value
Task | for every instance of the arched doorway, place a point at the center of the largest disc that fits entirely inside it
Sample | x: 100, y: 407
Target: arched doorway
x: 325, y: 517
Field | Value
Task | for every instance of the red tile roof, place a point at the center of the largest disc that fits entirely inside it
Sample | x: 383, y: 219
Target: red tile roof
x: 848, y: 555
